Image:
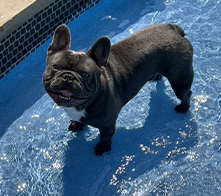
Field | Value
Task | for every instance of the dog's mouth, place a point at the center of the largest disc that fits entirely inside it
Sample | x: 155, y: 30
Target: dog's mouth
x: 66, y: 98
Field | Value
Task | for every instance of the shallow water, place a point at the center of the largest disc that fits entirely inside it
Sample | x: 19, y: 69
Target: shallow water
x: 155, y: 151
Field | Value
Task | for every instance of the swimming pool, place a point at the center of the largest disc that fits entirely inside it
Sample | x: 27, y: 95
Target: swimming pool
x: 155, y: 151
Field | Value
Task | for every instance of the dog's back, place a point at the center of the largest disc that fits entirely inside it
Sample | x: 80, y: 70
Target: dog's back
x: 156, y: 49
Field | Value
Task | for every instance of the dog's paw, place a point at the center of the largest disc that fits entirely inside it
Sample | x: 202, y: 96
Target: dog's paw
x: 182, y: 108
x: 76, y: 126
x: 102, y: 147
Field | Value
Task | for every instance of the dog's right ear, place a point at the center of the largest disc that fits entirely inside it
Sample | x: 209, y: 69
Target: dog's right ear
x: 100, y: 51
x: 61, y: 40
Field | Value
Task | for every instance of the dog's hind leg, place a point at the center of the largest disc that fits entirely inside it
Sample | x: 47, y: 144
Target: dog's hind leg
x: 185, y: 102
x: 181, y: 85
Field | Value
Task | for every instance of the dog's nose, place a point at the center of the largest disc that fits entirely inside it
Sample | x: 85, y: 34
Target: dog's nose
x: 68, y: 78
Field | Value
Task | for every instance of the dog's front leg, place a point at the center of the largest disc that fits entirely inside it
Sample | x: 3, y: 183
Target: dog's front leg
x: 104, y: 145
x: 76, y: 126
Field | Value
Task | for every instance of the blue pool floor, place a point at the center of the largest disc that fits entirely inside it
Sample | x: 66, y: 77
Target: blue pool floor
x: 155, y: 151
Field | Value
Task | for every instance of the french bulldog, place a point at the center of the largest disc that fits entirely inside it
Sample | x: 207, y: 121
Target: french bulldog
x: 93, y: 86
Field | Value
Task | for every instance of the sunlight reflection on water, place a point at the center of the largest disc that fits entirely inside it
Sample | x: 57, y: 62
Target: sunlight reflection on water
x: 31, y: 160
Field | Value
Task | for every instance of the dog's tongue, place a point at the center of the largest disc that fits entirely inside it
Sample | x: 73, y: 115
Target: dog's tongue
x: 68, y: 96
x: 66, y: 93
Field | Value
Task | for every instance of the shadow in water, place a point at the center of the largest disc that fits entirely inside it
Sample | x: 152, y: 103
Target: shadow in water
x: 166, y: 136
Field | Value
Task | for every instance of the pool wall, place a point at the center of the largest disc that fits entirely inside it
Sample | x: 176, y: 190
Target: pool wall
x: 18, y: 44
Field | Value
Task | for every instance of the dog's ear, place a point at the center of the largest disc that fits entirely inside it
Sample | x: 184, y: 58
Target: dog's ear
x: 61, y: 40
x: 100, y: 50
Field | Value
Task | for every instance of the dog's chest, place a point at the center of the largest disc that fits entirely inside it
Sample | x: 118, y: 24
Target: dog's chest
x: 74, y: 114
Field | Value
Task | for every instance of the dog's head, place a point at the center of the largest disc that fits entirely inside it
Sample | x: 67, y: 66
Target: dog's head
x: 71, y: 78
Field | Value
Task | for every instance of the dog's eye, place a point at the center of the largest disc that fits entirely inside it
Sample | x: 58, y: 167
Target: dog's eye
x: 55, y: 66
x: 85, y: 75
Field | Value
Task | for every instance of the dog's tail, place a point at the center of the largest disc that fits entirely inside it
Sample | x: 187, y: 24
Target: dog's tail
x: 177, y: 29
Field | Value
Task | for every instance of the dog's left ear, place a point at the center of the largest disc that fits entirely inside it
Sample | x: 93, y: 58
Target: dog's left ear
x: 61, y: 40
x: 100, y: 50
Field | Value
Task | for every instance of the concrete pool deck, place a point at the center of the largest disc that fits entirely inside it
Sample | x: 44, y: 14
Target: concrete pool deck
x: 15, y: 13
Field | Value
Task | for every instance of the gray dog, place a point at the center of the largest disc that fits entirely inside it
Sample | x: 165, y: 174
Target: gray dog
x: 93, y: 87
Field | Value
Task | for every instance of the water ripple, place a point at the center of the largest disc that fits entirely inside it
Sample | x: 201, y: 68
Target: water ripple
x: 31, y: 161
x: 199, y: 172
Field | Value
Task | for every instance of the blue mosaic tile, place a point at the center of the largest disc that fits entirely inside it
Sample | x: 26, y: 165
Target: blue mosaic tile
x: 28, y: 27
x: 16, y: 46
x: 8, y: 64
x: 3, y: 69
x: 4, y: 60
x: 7, y: 43
x: 5, y: 52
x: 9, y: 57
x: 17, y: 35
x: 12, y: 39
x: 13, y: 60
x: 1, y: 48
